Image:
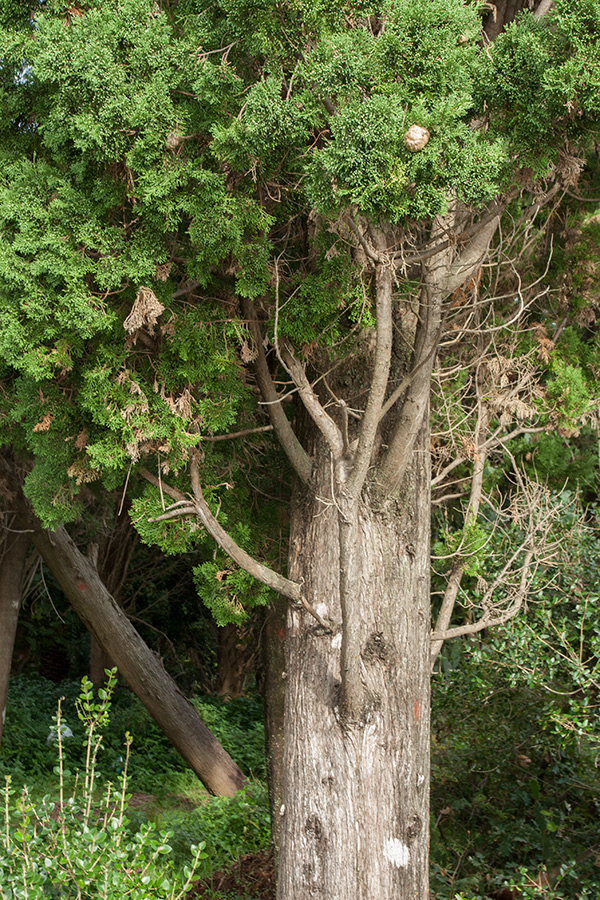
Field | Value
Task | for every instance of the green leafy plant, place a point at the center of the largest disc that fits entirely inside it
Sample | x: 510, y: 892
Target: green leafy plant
x: 79, y: 844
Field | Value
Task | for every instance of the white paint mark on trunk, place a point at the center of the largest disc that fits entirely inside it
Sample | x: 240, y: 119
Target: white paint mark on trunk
x: 282, y: 810
x: 396, y: 853
x: 336, y: 642
x: 321, y: 609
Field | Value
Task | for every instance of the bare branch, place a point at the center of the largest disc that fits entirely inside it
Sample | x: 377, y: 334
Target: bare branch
x: 293, y: 449
x: 213, y: 439
x: 186, y: 509
x: 272, y: 579
x: 487, y: 620
x: 379, y: 378
x: 454, y: 581
x: 200, y: 509
x: 159, y: 483
x: 322, y: 419
x: 492, y: 442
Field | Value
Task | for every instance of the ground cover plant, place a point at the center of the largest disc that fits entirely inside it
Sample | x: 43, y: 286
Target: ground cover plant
x: 77, y: 843
x: 133, y: 803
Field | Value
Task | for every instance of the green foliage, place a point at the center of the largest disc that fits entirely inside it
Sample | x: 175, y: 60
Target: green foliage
x: 228, y: 827
x: 507, y: 801
x: 515, y: 776
x: 238, y: 725
x: 166, y: 152
x: 80, y: 845
x: 28, y: 755
x: 467, y: 544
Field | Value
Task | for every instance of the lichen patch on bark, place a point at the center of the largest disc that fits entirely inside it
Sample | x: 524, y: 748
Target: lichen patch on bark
x: 396, y: 853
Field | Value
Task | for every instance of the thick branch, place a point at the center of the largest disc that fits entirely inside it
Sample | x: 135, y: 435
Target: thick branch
x: 379, y: 381
x: 416, y: 401
x: 373, y: 254
x: 293, y: 449
x: 405, y: 383
x: 272, y: 579
x: 471, y: 257
x: 142, y: 668
x: 13, y: 554
x: 543, y: 9
x: 322, y: 420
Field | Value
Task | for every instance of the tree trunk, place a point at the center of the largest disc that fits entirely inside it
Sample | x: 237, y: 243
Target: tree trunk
x: 355, y: 812
x: 274, y: 638
x: 112, y: 557
x: 12, y: 565
x: 142, y: 669
x: 230, y: 662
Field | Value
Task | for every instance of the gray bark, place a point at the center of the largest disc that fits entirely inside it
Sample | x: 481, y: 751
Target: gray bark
x: 274, y: 639
x: 12, y: 565
x: 354, y: 816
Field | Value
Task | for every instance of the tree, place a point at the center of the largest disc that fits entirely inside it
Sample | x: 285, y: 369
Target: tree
x: 213, y: 211
x: 13, y: 555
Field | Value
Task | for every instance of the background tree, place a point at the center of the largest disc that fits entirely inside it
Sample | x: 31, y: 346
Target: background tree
x: 202, y: 203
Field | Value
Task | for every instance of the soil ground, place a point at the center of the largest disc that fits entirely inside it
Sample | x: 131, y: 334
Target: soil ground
x: 251, y: 876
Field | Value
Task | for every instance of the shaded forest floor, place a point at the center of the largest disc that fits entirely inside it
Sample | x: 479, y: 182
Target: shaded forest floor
x: 251, y: 876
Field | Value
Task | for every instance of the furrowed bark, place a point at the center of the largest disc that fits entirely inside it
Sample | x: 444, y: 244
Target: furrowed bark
x: 274, y: 638
x: 12, y: 566
x: 141, y: 668
x: 354, y: 816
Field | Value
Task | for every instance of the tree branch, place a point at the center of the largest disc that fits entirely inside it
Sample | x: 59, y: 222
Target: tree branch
x: 416, y: 402
x: 293, y: 449
x: 213, y: 439
x: 379, y: 379
x: 471, y: 257
x: 454, y: 581
x: 373, y: 254
x: 486, y: 620
x: 322, y: 420
x: 165, y: 488
x: 272, y: 579
x: 543, y: 9
x: 200, y: 508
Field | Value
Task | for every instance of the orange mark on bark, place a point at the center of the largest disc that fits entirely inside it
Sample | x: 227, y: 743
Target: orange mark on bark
x: 417, y: 710
x: 281, y: 633
x: 82, y: 585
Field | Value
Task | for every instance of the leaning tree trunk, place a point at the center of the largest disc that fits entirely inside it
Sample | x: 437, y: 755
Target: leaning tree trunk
x: 142, y: 669
x: 12, y: 565
x: 355, y: 810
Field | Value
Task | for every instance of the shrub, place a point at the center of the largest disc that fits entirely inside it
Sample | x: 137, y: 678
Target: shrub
x: 80, y: 846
